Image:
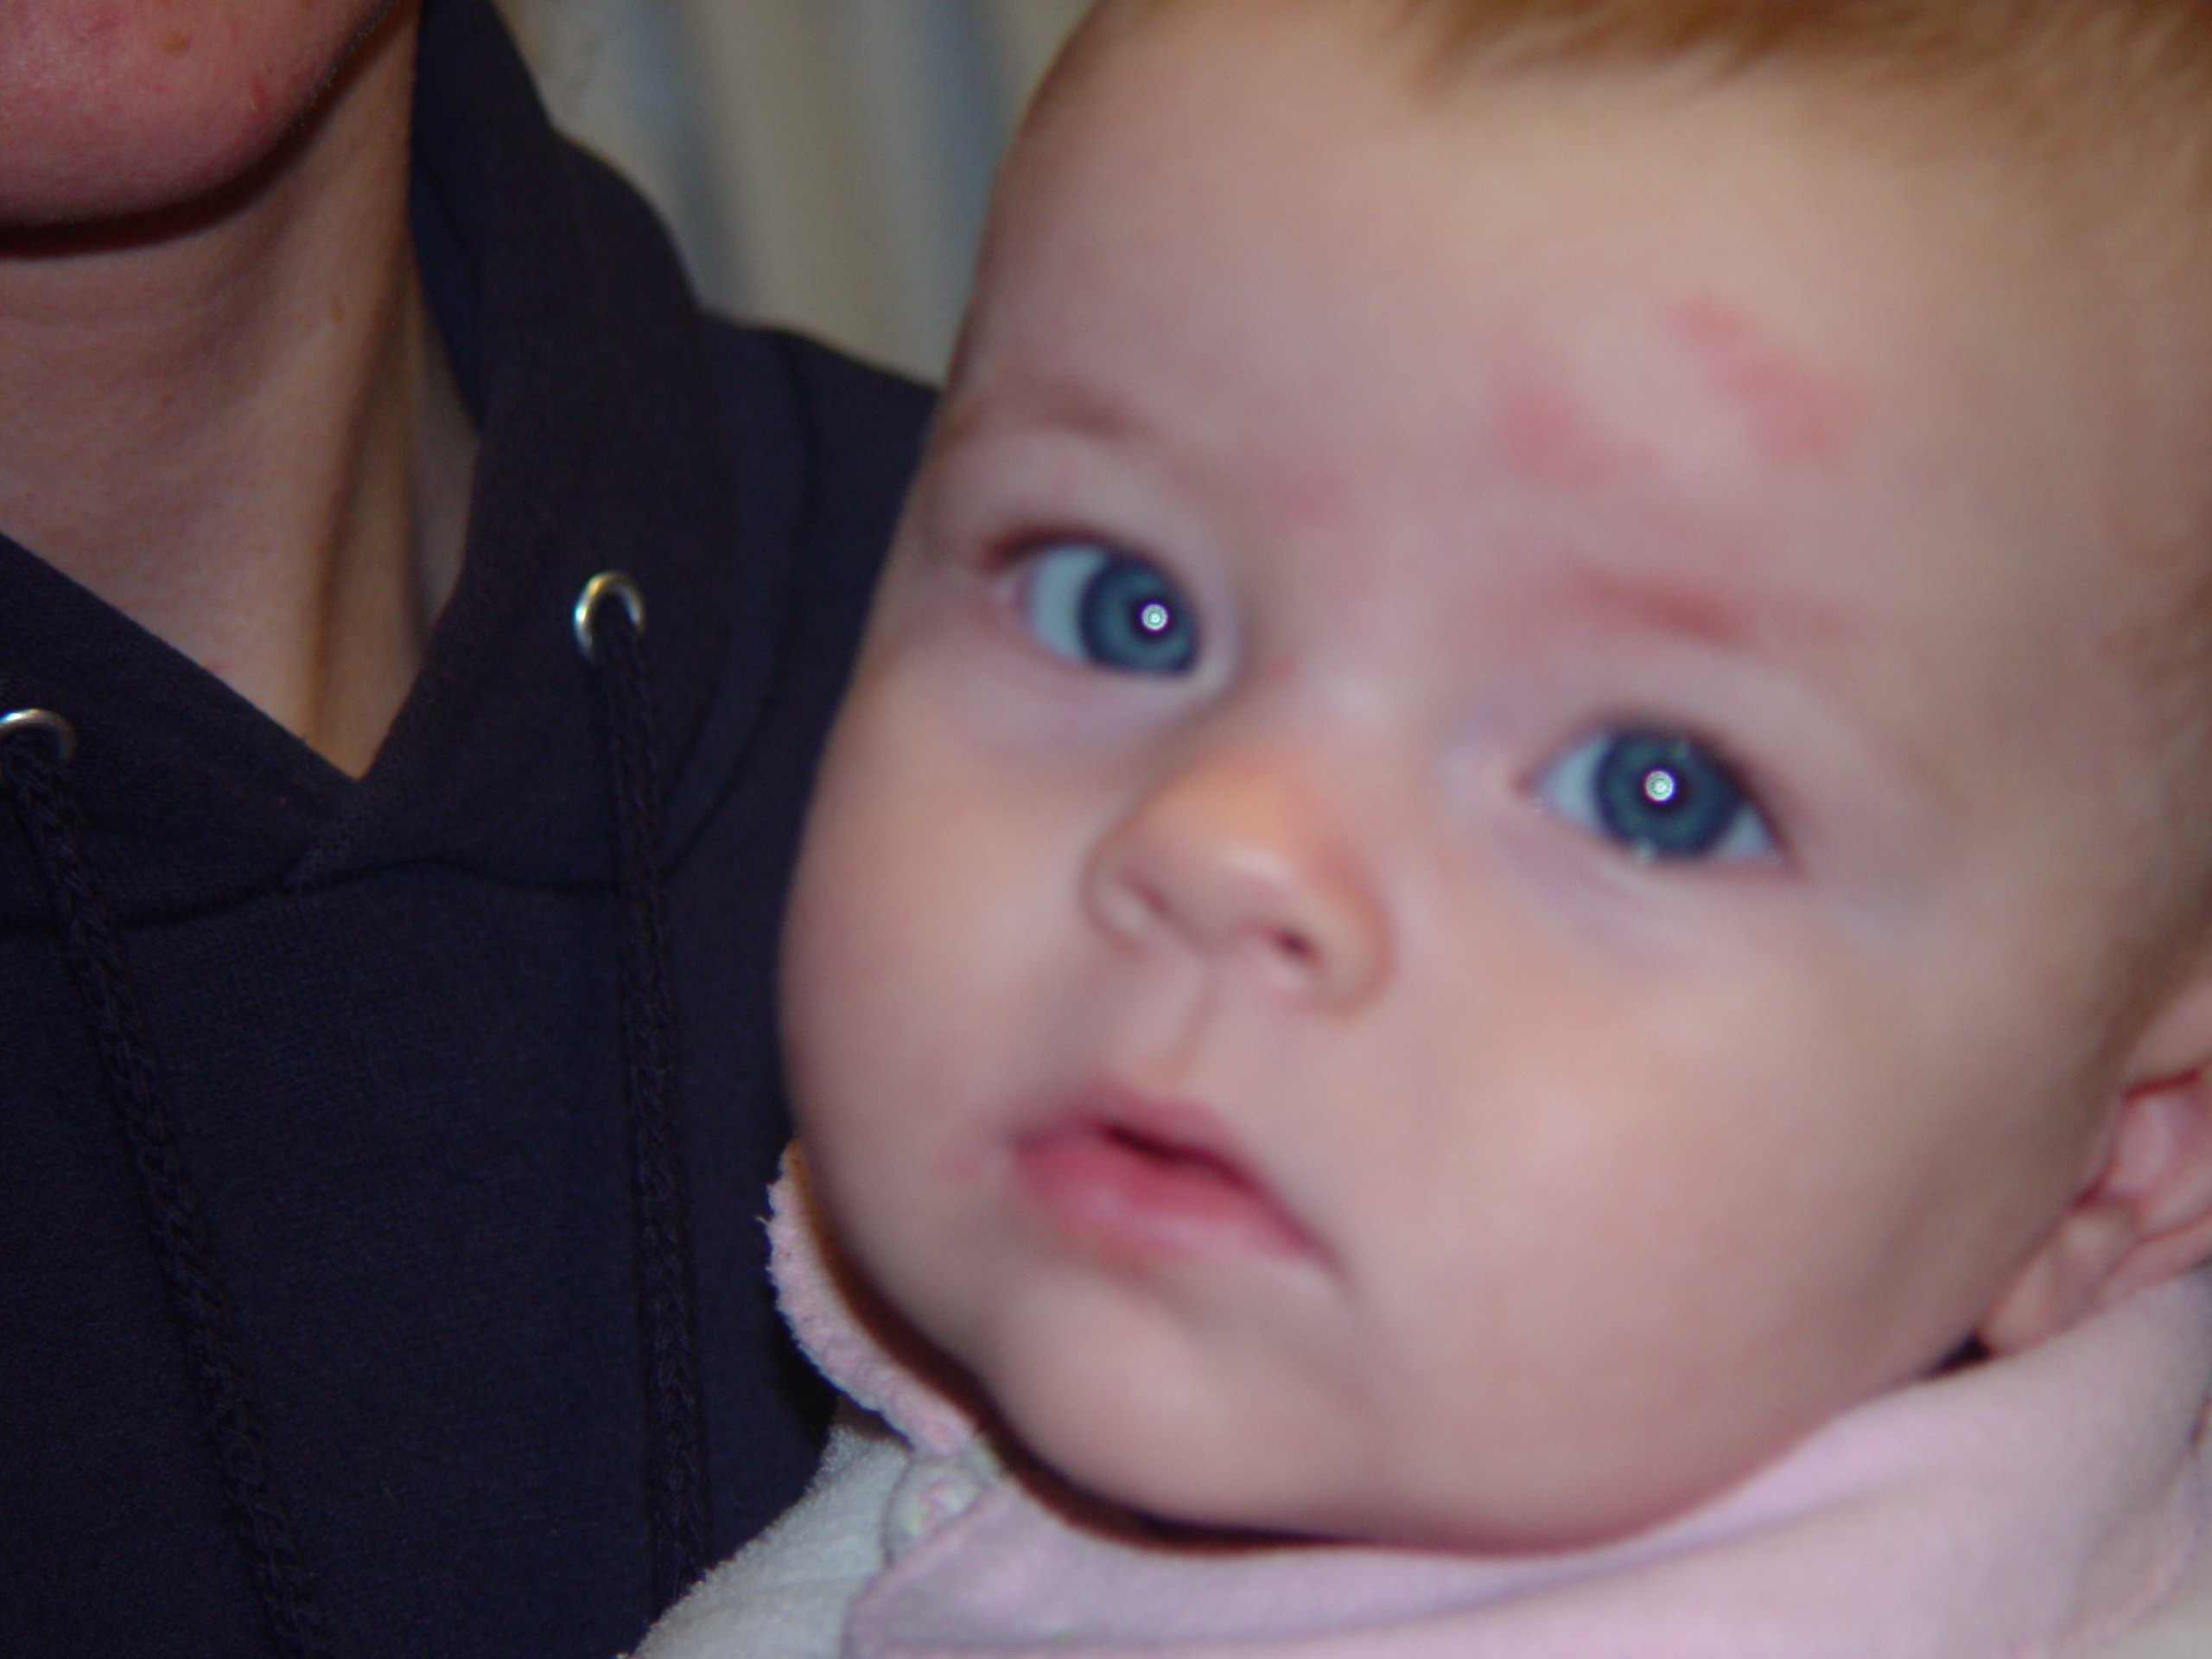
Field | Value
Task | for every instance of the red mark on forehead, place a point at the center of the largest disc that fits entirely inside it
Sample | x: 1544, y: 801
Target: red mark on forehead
x: 1547, y: 439
x: 1797, y: 415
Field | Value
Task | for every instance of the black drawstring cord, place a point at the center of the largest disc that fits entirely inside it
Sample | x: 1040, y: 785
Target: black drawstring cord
x: 676, y: 1463
x: 34, y: 747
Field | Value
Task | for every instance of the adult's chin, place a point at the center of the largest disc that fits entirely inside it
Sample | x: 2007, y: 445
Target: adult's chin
x: 117, y: 109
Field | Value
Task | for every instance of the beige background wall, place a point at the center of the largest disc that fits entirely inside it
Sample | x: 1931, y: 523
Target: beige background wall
x: 824, y: 162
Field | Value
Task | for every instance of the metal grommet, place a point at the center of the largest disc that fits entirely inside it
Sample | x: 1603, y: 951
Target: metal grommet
x: 59, y: 731
x: 607, y: 583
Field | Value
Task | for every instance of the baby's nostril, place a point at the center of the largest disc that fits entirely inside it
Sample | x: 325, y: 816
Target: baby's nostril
x: 1294, y: 944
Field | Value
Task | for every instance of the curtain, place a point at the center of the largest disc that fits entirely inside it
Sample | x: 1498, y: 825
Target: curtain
x: 823, y: 163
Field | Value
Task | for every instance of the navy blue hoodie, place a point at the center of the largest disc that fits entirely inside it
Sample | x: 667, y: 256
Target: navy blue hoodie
x: 384, y: 1012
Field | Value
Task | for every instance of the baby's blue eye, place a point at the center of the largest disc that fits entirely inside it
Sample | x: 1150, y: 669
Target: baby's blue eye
x: 1659, y: 795
x: 1094, y: 606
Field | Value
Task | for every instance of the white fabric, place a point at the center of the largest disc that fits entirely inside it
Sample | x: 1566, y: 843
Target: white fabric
x: 784, y: 1596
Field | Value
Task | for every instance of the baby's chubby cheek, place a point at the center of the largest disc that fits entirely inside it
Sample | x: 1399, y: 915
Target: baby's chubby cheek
x: 913, y: 929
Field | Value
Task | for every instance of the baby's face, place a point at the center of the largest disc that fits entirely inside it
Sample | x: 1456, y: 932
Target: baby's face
x: 1474, y: 873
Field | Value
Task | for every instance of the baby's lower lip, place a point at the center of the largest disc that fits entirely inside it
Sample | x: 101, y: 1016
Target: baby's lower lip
x: 1135, y: 1191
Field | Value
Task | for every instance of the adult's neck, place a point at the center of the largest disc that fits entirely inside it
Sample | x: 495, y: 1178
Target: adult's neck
x: 232, y: 420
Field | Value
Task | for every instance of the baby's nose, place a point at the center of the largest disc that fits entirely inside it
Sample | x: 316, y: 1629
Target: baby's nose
x: 1240, y: 858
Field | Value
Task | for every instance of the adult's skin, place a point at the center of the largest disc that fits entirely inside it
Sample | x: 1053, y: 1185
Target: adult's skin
x: 227, y: 412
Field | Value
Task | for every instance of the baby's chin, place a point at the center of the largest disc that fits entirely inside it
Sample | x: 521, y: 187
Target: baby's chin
x: 1494, y: 1519
x: 1288, y: 1466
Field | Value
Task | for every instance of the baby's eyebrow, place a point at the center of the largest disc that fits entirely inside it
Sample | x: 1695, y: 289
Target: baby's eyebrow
x: 1058, y: 401
x: 1727, y: 613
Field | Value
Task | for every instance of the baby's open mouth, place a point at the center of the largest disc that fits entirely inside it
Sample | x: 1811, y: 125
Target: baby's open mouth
x: 1122, y: 1181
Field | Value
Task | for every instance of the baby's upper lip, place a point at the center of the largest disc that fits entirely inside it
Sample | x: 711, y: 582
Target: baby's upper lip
x: 1185, y: 1126
x: 1180, y: 1129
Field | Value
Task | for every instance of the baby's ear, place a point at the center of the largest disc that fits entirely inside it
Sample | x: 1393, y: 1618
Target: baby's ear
x: 2145, y: 1213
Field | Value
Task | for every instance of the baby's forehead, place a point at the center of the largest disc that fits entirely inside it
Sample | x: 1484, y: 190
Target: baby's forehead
x: 2107, y: 107
x: 1169, y: 229
x: 1624, y: 209
x: 1188, y: 89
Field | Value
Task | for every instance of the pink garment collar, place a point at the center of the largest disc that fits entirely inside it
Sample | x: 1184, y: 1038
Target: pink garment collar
x: 2027, y: 1509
